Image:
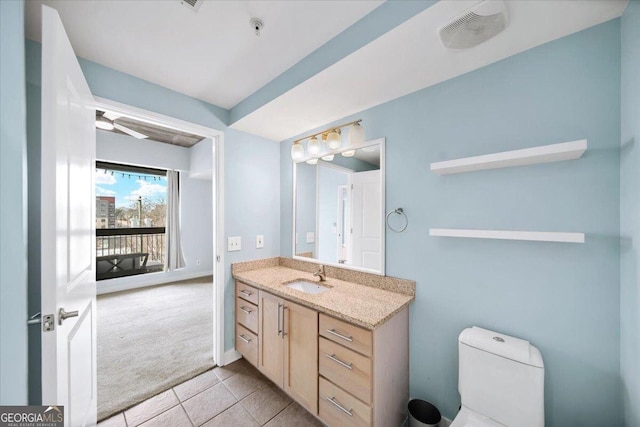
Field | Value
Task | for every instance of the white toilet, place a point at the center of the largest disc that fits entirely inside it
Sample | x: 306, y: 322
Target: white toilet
x: 501, y: 381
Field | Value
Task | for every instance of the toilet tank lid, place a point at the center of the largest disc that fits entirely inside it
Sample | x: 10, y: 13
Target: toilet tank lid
x: 502, y: 345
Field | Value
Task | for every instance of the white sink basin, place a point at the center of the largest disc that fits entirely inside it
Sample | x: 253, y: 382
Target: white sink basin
x: 308, y: 287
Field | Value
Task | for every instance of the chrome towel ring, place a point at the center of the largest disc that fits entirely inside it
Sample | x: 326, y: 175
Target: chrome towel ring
x: 398, y: 211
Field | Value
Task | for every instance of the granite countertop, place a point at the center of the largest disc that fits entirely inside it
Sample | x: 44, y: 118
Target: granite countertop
x: 362, y: 305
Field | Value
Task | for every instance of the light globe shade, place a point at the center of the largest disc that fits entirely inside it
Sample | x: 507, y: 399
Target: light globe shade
x: 313, y: 146
x: 312, y: 161
x: 349, y: 153
x: 334, y: 141
x: 356, y: 135
x: 328, y: 158
x: 297, y: 151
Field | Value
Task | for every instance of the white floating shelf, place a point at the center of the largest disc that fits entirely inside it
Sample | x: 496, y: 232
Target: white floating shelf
x: 537, y: 236
x: 528, y: 156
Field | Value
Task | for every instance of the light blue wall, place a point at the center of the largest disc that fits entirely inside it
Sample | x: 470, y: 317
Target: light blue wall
x: 564, y: 298
x: 252, y: 164
x: 630, y: 216
x: 13, y: 209
x: 108, y: 83
x: 252, y: 196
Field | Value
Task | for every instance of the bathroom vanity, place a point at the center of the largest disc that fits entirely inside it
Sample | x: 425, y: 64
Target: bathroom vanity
x: 342, y: 352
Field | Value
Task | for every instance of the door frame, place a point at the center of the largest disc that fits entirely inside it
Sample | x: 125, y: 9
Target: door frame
x: 340, y: 224
x: 218, y: 203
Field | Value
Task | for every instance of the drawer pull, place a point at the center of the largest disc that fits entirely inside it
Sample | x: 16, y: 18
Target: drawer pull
x: 339, y: 335
x: 340, y: 362
x: 245, y: 339
x: 339, y: 406
x: 245, y: 310
x: 245, y: 293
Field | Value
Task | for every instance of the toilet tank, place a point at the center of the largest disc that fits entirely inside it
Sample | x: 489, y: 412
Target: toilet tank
x: 501, y: 377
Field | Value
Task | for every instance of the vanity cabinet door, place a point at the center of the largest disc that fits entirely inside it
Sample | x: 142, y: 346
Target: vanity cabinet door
x: 270, y: 341
x: 301, y: 355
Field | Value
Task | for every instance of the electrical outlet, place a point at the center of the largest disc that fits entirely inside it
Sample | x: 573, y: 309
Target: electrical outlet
x: 198, y: 261
x: 234, y: 244
x: 311, y: 237
x: 259, y: 241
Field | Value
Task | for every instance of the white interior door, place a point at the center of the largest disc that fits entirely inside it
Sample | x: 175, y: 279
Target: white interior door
x: 68, y: 229
x: 366, y: 236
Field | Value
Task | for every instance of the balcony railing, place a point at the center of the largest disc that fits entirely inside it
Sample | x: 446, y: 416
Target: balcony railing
x: 128, y: 251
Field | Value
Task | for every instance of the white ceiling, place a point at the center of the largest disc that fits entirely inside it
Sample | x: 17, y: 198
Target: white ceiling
x: 410, y: 57
x: 213, y: 54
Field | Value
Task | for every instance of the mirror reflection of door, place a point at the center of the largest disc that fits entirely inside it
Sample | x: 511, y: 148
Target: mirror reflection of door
x: 366, y: 230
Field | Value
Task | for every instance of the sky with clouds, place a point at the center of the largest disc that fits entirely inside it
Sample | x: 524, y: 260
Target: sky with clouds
x: 127, y: 187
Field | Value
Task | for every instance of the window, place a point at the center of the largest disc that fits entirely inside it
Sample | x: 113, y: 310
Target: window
x: 131, y: 204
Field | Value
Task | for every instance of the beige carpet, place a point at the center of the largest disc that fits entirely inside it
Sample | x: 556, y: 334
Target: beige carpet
x: 151, y: 339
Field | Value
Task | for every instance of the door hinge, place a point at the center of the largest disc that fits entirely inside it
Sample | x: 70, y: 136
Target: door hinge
x: 48, y: 323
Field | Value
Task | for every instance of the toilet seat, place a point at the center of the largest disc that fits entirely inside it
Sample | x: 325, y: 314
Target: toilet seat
x: 469, y: 418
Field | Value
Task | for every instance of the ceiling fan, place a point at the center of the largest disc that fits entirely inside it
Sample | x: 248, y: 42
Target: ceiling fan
x: 106, y: 121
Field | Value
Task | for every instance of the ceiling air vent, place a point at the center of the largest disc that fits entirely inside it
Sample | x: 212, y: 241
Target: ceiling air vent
x: 192, y: 4
x: 477, y: 25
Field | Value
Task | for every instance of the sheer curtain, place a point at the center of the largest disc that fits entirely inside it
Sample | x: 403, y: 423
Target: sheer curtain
x: 174, y: 249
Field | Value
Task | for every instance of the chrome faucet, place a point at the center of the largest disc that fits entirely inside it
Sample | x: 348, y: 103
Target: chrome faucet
x: 321, y: 274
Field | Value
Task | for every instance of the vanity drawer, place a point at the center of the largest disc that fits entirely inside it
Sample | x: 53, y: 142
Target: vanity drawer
x: 346, y: 334
x: 339, y: 408
x: 247, y: 292
x: 345, y: 368
x: 247, y: 314
x: 247, y: 344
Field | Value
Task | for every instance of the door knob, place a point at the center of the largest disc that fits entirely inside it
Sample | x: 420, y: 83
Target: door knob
x: 62, y: 315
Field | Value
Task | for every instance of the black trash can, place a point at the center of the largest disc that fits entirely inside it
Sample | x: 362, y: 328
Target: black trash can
x: 423, y: 414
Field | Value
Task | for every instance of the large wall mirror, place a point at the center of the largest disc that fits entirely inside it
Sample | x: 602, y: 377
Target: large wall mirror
x: 338, y: 209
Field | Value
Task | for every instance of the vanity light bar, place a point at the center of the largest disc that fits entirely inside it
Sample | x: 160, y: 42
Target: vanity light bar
x: 326, y: 131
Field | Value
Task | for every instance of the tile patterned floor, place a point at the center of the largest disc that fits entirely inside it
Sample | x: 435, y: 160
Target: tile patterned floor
x: 235, y: 395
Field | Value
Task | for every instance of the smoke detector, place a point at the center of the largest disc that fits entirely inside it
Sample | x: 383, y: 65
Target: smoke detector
x: 475, y: 26
x: 257, y: 25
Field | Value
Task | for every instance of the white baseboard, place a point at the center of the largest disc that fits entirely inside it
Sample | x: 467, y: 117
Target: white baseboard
x: 144, y: 280
x: 230, y: 357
